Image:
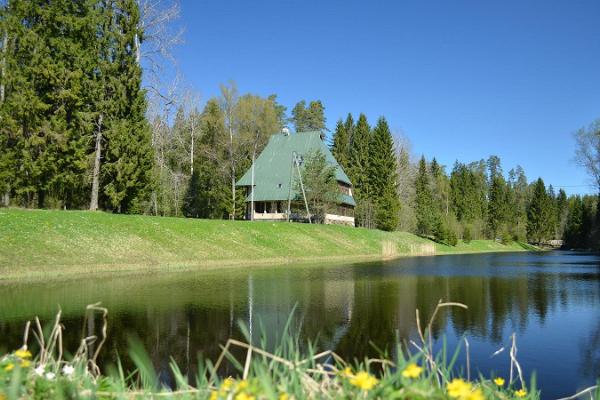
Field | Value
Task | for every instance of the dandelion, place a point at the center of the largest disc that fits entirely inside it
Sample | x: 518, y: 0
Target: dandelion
x: 363, y: 380
x: 9, y: 367
x: 521, y: 393
x: 499, y: 381
x: 347, y: 372
x: 68, y: 370
x: 284, y: 396
x: 214, y: 395
x: 458, y: 388
x: 475, y: 395
x: 242, y: 385
x: 244, y: 396
x: 23, y: 353
x: 412, y: 371
x: 25, y: 363
x: 50, y: 376
x: 228, y: 383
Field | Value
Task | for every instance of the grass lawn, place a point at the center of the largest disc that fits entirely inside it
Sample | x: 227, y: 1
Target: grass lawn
x: 42, y: 243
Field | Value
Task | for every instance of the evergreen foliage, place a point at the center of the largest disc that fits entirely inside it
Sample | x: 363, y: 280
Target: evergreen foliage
x: 309, y: 118
x: 539, y: 214
x: 358, y: 172
x: 67, y: 63
x: 382, y: 176
x: 427, y: 218
x: 340, y: 147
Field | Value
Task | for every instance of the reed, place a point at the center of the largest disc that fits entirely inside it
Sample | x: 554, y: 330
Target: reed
x: 294, y: 370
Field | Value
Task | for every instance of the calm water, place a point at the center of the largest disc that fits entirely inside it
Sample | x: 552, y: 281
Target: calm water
x: 551, y: 301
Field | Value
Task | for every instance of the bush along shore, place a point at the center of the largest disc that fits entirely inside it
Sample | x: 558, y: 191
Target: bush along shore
x: 292, y: 371
x: 42, y: 243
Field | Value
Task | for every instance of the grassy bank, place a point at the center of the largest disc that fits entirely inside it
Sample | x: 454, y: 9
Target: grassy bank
x: 37, y: 243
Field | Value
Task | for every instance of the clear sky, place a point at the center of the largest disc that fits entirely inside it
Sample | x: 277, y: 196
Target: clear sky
x: 461, y: 79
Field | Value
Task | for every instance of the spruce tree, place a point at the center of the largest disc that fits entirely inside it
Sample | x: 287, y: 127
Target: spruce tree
x: 387, y: 215
x: 213, y: 198
x: 496, y: 198
x: 340, y: 147
x: 427, y: 220
x: 358, y: 172
x: 538, y: 214
x: 382, y: 176
x: 127, y: 170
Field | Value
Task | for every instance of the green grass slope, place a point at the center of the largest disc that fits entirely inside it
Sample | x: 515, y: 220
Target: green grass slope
x: 41, y: 242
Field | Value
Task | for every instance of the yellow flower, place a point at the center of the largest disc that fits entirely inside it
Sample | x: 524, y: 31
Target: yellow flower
x: 499, y: 381
x: 475, y: 395
x: 521, y: 393
x: 23, y: 353
x: 363, y: 380
x: 244, y: 396
x: 9, y: 367
x: 412, y: 371
x: 347, y: 372
x: 228, y: 383
x: 458, y: 388
x: 214, y: 395
x: 284, y: 396
x: 242, y: 385
x: 25, y: 363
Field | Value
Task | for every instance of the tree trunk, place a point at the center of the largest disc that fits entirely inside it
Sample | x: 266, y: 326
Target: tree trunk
x: 232, y: 169
x: 96, y: 173
x: 3, y: 66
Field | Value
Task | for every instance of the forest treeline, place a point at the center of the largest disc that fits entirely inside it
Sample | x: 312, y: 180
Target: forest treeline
x: 473, y: 200
x: 80, y: 131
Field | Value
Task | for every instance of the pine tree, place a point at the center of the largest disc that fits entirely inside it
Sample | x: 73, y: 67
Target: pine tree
x: 308, y: 118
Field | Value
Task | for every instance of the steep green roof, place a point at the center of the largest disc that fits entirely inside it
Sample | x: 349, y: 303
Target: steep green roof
x: 273, y: 167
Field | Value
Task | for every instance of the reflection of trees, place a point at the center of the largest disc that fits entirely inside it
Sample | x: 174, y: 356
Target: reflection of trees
x: 186, y: 316
x: 590, y: 354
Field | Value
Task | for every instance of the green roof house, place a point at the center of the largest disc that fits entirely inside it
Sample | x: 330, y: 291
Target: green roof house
x: 273, y: 175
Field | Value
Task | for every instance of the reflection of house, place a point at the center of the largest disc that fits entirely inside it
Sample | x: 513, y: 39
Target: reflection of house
x: 274, y: 174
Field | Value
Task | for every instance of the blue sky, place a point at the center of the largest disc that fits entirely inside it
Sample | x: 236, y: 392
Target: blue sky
x: 461, y: 79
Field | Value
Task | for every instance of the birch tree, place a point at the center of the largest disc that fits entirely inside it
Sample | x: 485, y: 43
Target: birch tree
x: 587, y: 153
x: 229, y: 99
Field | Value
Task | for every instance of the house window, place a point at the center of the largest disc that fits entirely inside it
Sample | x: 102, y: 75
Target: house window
x: 259, y: 207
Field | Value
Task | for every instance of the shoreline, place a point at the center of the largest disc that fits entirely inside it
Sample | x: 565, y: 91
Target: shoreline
x: 75, y: 272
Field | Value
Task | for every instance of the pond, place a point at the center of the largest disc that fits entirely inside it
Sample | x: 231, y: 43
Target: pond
x: 551, y: 301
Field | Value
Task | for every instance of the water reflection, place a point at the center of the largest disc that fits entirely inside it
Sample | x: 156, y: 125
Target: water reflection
x: 550, y: 300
